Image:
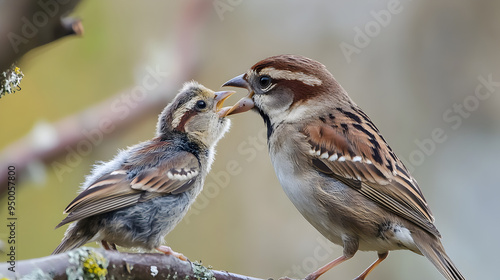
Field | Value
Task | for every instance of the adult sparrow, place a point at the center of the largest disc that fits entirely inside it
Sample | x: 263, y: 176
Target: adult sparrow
x: 336, y: 167
x: 139, y: 196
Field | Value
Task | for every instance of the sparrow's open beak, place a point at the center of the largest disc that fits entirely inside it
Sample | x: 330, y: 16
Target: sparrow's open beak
x: 246, y: 103
x: 220, y: 97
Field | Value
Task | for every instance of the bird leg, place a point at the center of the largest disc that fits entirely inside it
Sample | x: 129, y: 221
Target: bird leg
x: 168, y: 251
x: 325, y: 268
x: 350, y: 248
x: 105, y: 245
x: 108, y: 246
x: 381, y: 257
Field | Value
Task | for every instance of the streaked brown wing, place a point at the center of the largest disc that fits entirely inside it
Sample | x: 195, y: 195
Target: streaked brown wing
x: 351, y: 149
x: 117, y: 189
x: 174, y: 175
x: 99, y: 206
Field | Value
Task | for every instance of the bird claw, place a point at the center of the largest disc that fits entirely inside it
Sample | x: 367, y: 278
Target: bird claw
x: 168, y: 251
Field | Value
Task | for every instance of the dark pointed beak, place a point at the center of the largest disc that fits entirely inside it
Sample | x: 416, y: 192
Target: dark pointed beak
x: 246, y: 103
x: 220, y: 97
x: 238, y: 81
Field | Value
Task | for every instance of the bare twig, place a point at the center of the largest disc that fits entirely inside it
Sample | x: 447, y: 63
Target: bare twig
x: 27, y: 24
x: 90, y: 263
x: 70, y: 130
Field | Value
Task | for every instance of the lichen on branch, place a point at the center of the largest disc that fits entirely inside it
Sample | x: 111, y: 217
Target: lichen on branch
x: 10, y: 80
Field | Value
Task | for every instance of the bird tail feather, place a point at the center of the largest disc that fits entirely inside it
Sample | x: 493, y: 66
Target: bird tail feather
x: 72, y: 239
x: 434, y: 252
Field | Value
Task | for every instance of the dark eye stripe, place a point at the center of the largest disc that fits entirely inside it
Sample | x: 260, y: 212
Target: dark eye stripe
x: 184, y: 119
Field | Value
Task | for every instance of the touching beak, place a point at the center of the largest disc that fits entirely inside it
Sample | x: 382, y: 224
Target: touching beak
x: 238, y: 81
x: 220, y: 97
x: 246, y: 103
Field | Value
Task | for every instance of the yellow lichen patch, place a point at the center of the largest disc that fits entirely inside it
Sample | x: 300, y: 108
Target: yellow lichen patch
x: 94, y: 264
x: 86, y: 263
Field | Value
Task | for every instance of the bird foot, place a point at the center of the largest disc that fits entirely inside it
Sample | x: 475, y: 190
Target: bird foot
x: 108, y: 246
x: 168, y: 251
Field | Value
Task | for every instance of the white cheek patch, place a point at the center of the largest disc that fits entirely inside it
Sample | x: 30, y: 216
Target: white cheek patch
x: 297, y: 113
x: 266, y: 104
x: 289, y: 75
x: 263, y: 101
x: 285, y: 113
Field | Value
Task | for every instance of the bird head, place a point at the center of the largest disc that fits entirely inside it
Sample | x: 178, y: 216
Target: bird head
x: 287, y: 88
x: 196, y: 111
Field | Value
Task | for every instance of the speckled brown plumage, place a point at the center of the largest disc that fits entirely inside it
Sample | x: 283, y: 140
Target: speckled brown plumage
x: 336, y: 167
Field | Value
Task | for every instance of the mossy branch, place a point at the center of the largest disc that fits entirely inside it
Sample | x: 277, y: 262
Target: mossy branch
x: 91, y: 263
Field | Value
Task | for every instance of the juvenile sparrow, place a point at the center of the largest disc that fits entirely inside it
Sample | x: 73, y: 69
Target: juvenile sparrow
x: 139, y: 196
x: 336, y: 167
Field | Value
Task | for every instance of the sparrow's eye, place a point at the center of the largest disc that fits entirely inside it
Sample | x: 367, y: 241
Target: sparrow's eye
x: 200, y: 105
x: 265, y: 81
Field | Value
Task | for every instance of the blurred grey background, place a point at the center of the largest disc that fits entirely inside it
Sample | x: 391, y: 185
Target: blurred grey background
x: 418, y: 68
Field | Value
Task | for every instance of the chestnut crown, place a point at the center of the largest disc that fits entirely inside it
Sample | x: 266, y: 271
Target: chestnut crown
x: 280, y: 85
